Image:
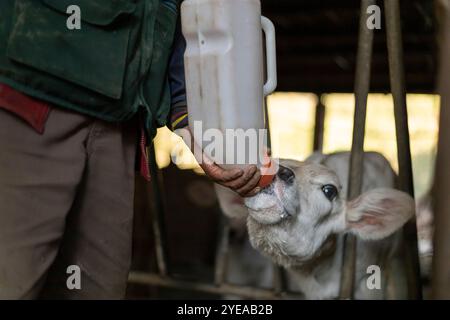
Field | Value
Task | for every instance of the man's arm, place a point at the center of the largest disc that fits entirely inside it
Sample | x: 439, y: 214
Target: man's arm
x: 177, y: 82
x: 243, y: 181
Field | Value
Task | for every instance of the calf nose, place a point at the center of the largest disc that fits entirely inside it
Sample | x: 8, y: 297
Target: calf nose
x: 286, y: 174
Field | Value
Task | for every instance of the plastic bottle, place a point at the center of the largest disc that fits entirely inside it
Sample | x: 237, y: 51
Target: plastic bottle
x: 224, y: 64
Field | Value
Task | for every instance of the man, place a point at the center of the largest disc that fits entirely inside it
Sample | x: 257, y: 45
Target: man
x: 77, y: 108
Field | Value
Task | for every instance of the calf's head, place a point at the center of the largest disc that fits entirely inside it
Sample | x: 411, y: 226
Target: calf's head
x: 291, y: 219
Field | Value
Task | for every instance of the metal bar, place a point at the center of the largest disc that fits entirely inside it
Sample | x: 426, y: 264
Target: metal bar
x: 319, y: 126
x: 362, y: 84
x: 279, y: 280
x: 278, y: 272
x: 225, y: 289
x: 398, y: 88
x: 279, y: 284
x: 158, y: 210
x: 441, y: 259
x: 222, y: 252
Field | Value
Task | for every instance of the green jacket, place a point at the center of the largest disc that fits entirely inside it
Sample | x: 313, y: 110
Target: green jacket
x: 113, y: 67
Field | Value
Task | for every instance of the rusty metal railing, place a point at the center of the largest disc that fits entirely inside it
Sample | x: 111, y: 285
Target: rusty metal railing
x: 319, y: 124
x: 405, y: 175
x: 441, y: 270
x: 362, y: 85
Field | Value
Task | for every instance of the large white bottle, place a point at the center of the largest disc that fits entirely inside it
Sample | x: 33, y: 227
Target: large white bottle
x: 224, y: 64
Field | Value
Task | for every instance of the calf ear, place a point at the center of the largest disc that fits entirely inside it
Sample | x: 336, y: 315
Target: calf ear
x: 378, y: 213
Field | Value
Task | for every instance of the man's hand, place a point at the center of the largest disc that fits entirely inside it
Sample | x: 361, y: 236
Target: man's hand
x: 243, y: 181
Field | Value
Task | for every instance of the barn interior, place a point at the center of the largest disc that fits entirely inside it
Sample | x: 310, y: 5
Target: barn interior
x: 178, y: 221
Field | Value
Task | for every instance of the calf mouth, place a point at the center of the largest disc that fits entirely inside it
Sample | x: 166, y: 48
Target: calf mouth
x: 279, y: 207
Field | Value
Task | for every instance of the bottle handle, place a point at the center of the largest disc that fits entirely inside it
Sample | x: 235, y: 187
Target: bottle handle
x: 271, y: 56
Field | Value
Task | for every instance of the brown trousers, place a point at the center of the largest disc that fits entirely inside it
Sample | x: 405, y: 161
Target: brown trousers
x: 66, y: 199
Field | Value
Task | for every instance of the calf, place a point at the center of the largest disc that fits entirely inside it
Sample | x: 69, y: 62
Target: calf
x: 299, y: 222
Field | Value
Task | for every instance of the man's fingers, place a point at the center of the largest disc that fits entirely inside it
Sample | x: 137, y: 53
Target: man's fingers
x: 252, y: 193
x: 243, y: 180
x: 251, y: 187
x: 219, y: 174
x: 230, y: 175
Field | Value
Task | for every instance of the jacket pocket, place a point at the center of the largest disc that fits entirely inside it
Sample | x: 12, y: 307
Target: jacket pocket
x: 94, y: 57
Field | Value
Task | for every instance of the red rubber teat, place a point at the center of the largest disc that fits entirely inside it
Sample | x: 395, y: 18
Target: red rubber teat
x: 266, y: 175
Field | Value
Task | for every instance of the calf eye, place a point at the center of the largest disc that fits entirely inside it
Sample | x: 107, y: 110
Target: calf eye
x: 330, y: 191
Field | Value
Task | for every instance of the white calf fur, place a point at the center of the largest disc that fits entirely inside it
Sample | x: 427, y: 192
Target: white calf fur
x: 300, y: 220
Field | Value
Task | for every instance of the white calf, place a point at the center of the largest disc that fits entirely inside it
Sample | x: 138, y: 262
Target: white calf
x: 300, y: 220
